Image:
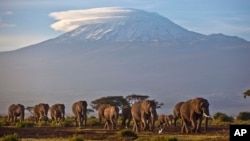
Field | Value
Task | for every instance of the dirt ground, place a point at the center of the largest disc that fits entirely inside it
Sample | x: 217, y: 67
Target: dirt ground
x: 91, y: 133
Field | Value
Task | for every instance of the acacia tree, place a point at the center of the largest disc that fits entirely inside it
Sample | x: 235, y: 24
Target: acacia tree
x: 246, y: 93
x: 112, y: 100
x: 135, y: 98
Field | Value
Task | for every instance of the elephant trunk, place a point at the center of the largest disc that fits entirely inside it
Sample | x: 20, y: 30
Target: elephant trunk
x: 153, y: 118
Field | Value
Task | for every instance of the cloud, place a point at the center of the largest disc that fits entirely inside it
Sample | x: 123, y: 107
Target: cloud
x: 69, y: 20
x: 5, y: 25
x: 8, y: 13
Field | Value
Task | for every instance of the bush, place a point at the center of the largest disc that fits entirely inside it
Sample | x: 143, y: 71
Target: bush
x: 11, y: 137
x: 92, y: 121
x: 76, y: 138
x: 127, y: 133
x: 42, y: 123
x: 243, y: 116
x: 222, y: 117
x: 4, y: 122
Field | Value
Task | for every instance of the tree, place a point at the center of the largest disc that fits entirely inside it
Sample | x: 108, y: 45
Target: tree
x: 112, y: 100
x: 246, y: 93
x: 135, y: 98
x: 222, y: 117
x: 243, y: 116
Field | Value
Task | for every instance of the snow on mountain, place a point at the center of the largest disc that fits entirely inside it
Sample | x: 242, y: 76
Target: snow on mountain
x: 124, y: 24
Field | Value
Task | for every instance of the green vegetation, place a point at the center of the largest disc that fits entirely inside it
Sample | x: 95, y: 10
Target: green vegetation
x: 76, y: 138
x: 11, y: 137
x: 183, y: 138
x: 127, y: 133
x: 93, y: 121
x: 159, y: 138
x: 243, y: 116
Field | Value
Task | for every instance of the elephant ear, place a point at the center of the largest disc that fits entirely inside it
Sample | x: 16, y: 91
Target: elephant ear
x: 145, y: 105
x: 196, y: 105
x: 63, y: 106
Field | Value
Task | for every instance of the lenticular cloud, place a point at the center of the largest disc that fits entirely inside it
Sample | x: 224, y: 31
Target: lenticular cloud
x: 69, y: 20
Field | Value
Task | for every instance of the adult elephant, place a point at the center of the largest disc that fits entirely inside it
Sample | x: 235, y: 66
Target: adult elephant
x: 144, y: 113
x: 126, y: 116
x: 40, y: 112
x: 193, y: 111
x: 101, y: 109
x: 57, y: 112
x: 79, y: 110
x: 176, y: 112
x: 111, y: 114
x: 14, y: 111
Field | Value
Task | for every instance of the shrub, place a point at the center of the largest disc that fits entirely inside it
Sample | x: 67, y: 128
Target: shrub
x: 3, y: 121
x: 11, y: 137
x: 222, y: 117
x: 127, y: 133
x: 42, y: 123
x: 93, y: 121
x: 76, y: 138
x: 243, y: 116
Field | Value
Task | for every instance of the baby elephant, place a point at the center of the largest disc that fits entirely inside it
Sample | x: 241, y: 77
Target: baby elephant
x: 165, y: 119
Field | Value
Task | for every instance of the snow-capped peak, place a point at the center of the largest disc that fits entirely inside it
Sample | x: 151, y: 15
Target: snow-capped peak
x: 118, y: 24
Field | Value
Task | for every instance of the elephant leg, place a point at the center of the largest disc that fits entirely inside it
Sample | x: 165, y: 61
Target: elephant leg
x: 194, y: 126
x: 128, y: 123
x: 167, y: 123
x: 184, y: 126
x: 113, y: 124
x: 105, y: 125
x: 76, y: 121
x: 85, y: 117
x: 135, y: 127
x: 198, y: 125
x: 81, y: 121
x: 206, y: 123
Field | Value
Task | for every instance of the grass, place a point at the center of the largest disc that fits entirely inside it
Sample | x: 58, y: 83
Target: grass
x: 183, y: 138
x: 154, y: 137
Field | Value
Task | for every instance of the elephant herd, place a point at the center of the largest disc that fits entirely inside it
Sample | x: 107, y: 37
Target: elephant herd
x: 142, y: 113
x: 57, y: 112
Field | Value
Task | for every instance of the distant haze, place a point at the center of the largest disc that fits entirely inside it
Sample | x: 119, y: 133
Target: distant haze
x: 141, y: 53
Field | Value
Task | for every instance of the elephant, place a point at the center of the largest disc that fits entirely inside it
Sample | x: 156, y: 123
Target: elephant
x: 126, y: 116
x: 79, y: 110
x: 193, y: 111
x: 111, y: 114
x: 101, y: 109
x: 14, y: 111
x: 57, y: 112
x: 144, y: 113
x: 165, y: 119
x: 176, y: 112
x: 40, y: 112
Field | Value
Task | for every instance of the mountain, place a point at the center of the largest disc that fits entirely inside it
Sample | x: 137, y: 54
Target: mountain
x: 129, y: 51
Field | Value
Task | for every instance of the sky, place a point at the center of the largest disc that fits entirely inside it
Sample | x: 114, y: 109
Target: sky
x: 26, y: 22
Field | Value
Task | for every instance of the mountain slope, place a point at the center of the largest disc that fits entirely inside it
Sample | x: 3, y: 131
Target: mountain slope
x: 139, y: 52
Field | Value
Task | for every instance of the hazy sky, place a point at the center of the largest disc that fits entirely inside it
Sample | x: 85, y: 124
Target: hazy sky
x: 25, y: 22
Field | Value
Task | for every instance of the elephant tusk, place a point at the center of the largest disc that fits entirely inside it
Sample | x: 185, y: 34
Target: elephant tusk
x: 208, y: 116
